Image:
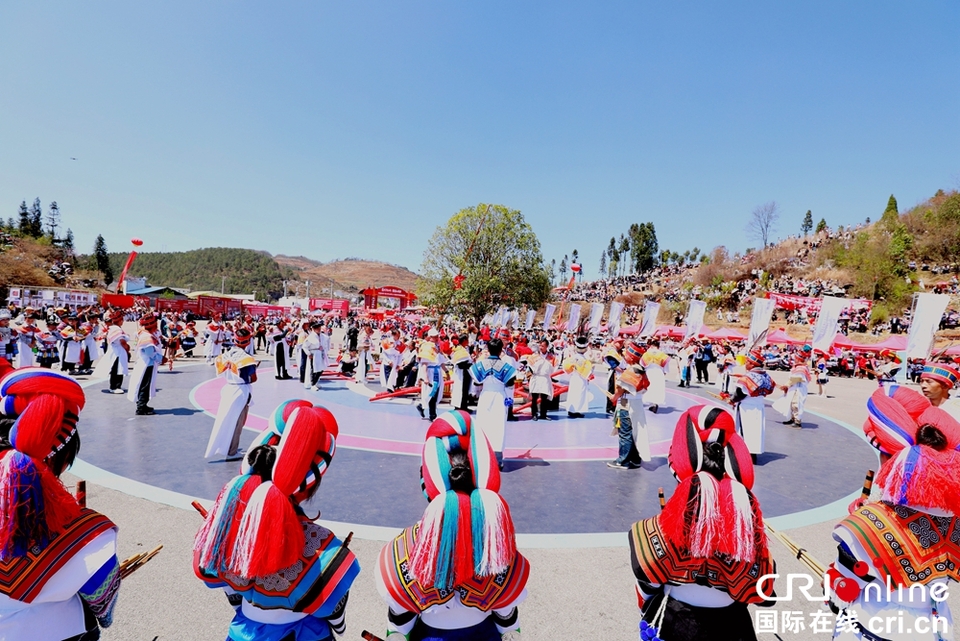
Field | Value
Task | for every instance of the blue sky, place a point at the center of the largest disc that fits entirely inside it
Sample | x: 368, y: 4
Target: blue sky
x: 337, y: 129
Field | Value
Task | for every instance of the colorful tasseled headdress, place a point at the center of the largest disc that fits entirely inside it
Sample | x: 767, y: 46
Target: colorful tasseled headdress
x: 917, y: 474
x: 705, y: 515
x: 461, y: 535
x: 253, y: 528
x: 34, y: 504
x: 755, y: 358
x: 634, y: 352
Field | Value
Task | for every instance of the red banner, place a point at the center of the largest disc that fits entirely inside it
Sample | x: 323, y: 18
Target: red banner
x: 812, y: 305
x: 340, y: 306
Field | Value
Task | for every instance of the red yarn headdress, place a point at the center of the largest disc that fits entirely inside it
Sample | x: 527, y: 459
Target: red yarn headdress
x: 704, y: 515
x: 270, y: 536
x: 917, y: 474
x: 34, y: 504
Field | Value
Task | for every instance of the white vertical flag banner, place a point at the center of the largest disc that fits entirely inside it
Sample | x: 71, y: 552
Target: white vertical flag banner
x: 827, y: 322
x: 503, y: 317
x: 650, y: 312
x: 613, y: 322
x: 596, y: 315
x: 514, y: 318
x: 548, y: 315
x: 573, y: 320
x: 926, y: 319
x: 695, y: 317
x: 760, y: 323
x: 531, y: 315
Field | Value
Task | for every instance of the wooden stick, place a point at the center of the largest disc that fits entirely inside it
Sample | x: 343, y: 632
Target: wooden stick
x: 135, y: 562
x: 199, y: 508
x: 663, y: 500
x: 800, y: 553
x: 867, y: 485
x: 81, y: 494
x: 369, y: 636
x: 346, y: 541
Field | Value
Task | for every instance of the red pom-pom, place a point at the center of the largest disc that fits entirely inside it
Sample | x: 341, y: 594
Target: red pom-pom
x: 847, y: 590
x: 861, y: 569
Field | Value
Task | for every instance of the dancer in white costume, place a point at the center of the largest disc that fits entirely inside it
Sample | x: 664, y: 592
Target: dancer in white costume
x: 579, y: 367
x: 239, y: 371
x: 752, y: 387
x: 143, y: 381
x: 655, y: 363
x: 496, y: 375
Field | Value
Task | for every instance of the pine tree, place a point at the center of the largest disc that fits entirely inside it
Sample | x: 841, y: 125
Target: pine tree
x: 11, y: 225
x: 563, y: 267
x: 822, y: 225
x: 24, y: 219
x: 807, y: 225
x: 68, y: 241
x: 36, y: 219
x: 603, y: 264
x: 891, y: 215
x: 103, y: 259
x: 53, y: 220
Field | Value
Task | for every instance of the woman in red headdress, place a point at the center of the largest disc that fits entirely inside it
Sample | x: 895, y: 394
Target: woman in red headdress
x: 59, y: 574
x: 698, y: 561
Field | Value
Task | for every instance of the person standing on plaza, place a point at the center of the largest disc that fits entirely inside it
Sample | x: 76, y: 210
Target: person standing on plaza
x: 541, y: 364
x: 629, y: 419
x: 496, y: 375
x: 580, y: 369
x: 751, y: 388
x: 143, y: 381
x: 239, y: 372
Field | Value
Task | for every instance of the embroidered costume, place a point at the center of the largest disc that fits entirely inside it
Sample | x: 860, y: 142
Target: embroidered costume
x: 497, y: 376
x: 697, y: 563
x: 59, y: 574
x: 912, y: 535
x: 239, y: 372
x: 456, y: 574
x: 751, y: 388
x: 288, y: 577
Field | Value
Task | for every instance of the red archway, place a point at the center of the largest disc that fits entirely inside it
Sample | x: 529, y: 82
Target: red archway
x: 372, y: 296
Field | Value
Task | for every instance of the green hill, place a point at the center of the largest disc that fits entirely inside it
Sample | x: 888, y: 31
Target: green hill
x: 246, y: 270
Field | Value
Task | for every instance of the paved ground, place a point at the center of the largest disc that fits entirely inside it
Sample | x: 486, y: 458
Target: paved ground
x: 575, y: 592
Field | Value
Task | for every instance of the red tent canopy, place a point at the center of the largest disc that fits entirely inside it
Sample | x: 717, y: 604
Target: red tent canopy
x: 629, y: 330
x: 726, y: 334
x: 670, y: 331
x: 780, y: 337
x: 895, y: 343
x: 843, y: 342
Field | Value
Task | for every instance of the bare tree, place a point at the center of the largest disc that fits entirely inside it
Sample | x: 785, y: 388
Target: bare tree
x: 763, y: 222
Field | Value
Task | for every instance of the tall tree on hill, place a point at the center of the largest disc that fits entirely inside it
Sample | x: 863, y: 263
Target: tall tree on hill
x: 498, y: 255
x: 603, y: 263
x: 822, y: 225
x: 53, y: 220
x: 891, y: 215
x: 807, y: 225
x: 563, y: 268
x: 36, y: 219
x: 103, y: 259
x: 643, y: 246
x: 68, y: 241
x: 763, y: 222
x: 24, y: 221
x: 624, y: 249
x: 552, y: 271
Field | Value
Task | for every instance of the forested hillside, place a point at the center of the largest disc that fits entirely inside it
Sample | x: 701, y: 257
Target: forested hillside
x: 246, y: 270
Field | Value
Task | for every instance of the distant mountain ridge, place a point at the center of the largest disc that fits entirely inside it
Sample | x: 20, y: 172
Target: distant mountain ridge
x: 244, y: 271
x: 351, y: 274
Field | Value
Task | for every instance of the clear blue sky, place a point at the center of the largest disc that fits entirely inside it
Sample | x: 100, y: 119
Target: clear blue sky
x: 336, y: 129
